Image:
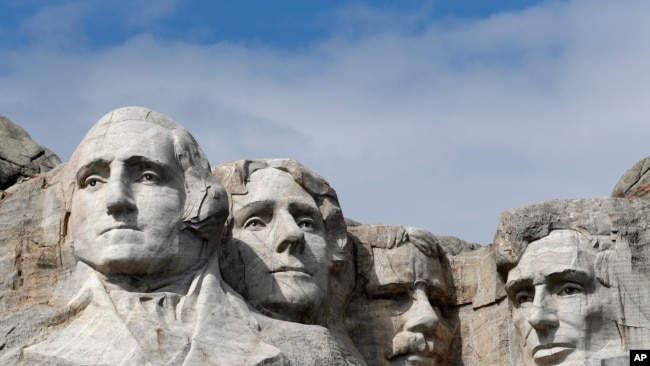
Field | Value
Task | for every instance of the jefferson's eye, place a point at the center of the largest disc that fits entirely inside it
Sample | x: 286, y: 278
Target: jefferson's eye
x: 254, y: 223
x: 149, y: 177
x: 570, y: 288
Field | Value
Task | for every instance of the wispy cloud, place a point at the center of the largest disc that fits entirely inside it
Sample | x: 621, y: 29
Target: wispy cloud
x: 441, y: 126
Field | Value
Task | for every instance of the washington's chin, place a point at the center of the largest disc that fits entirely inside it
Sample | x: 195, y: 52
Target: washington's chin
x: 414, y: 359
x: 126, y: 259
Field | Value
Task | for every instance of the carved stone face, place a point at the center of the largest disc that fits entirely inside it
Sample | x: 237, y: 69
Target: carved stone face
x: 552, y: 293
x: 128, y: 202
x: 404, y: 315
x: 280, y: 235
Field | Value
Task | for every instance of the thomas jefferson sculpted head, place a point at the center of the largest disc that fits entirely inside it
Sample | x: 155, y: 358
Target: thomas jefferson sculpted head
x: 144, y: 202
x: 287, y: 230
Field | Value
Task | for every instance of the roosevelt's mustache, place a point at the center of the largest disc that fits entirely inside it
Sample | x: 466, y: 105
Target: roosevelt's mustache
x: 407, y: 342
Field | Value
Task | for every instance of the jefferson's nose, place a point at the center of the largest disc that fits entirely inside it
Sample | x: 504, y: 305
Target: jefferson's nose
x: 289, y: 236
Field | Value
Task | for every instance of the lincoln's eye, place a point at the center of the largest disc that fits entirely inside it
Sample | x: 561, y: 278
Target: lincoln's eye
x: 523, y: 297
x: 570, y: 288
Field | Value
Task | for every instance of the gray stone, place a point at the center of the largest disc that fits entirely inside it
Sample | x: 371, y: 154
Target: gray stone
x: 576, y: 274
x: 20, y: 156
x: 133, y: 253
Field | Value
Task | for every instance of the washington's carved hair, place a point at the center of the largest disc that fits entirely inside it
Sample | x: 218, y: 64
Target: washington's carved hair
x: 205, y: 201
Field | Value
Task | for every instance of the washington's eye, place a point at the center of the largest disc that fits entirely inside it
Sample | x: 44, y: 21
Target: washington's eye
x: 570, y: 288
x: 92, y: 181
x: 522, y: 297
x: 254, y: 223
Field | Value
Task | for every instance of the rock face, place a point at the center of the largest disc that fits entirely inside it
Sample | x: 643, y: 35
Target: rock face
x: 139, y: 253
x: 20, y: 156
x: 635, y: 182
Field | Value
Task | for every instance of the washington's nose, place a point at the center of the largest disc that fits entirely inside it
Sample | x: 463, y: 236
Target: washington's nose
x: 118, y: 196
x: 542, y: 314
x: 420, y: 317
x: 289, y: 236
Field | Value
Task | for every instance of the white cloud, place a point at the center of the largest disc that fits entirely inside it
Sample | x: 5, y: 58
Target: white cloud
x: 442, y: 127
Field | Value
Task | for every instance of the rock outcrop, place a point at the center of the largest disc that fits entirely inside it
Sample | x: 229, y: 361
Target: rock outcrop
x: 564, y: 282
x: 20, y: 156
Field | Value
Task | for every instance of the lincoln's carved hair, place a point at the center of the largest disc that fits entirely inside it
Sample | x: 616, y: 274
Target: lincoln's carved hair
x: 205, y: 201
x: 594, y: 229
x: 234, y: 176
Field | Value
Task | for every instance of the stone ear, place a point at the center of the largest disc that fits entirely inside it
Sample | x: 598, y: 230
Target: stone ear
x: 601, y: 269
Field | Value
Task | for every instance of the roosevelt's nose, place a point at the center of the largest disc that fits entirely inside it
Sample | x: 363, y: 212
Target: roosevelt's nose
x: 542, y: 314
x: 119, y: 195
x: 420, y: 317
x: 289, y: 236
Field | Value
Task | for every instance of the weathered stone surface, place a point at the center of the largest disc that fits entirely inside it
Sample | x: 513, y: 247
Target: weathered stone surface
x: 287, y: 252
x: 137, y: 190
x: 401, y: 312
x: 635, y: 182
x: 576, y: 273
x: 20, y: 156
x: 117, y: 257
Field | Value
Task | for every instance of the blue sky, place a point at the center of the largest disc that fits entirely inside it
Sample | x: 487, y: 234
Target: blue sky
x: 438, y: 114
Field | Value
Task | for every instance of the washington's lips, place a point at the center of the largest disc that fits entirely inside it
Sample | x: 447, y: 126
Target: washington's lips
x: 549, y: 346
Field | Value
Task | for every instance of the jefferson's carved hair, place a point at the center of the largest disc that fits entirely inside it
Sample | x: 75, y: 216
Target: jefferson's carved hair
x: 234, y: 176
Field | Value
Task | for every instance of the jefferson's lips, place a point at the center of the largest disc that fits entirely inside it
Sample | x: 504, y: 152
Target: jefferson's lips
x: 290, y: 269
x: 119, y: 227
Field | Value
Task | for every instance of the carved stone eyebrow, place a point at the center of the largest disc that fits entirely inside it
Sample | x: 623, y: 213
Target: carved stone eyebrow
x: 570, y: 275
x: 303, y: 207
x: 251, y: 208
x: 159, y: 166
x: 518, y: 284
x: 437, y: 290
x: 89, y: 168
x: 389, y: 288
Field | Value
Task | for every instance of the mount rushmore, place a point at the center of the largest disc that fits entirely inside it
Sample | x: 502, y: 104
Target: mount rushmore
x: 139, y: 251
